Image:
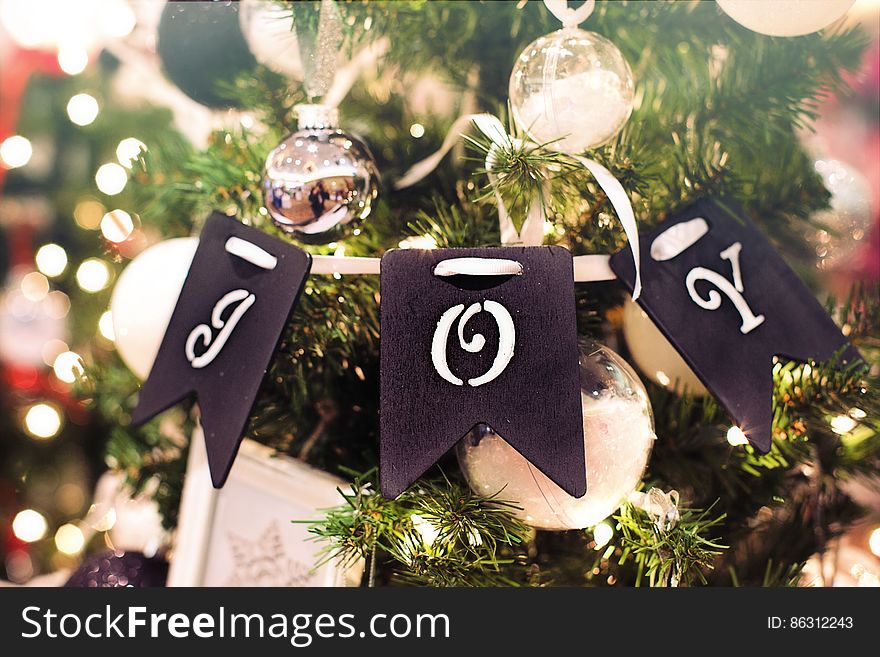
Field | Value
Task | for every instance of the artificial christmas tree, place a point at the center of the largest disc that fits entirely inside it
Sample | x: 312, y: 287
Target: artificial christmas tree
x: 716, y: 111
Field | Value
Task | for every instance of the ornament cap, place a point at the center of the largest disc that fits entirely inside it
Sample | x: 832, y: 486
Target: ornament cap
x: 316, y: 117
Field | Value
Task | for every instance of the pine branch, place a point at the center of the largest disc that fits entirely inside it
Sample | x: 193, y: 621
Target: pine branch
x: 669, y: 557
x: 436, y: 534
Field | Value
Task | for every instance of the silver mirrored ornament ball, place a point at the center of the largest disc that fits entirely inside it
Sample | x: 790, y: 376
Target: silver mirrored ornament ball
x: 320, y: 181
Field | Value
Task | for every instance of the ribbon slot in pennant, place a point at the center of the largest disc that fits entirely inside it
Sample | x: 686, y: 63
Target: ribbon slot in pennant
x: 728, y: 303
x: 239, y: 293
x: 474, y: 336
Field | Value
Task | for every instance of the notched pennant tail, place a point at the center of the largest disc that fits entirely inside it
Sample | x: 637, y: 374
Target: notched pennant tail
x: 502, y: 352
x: 235, y: 303
x: 728, y: 303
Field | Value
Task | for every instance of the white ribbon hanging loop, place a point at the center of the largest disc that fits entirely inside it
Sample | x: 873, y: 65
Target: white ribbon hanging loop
x: 532, y: 232
x: 570, y: 16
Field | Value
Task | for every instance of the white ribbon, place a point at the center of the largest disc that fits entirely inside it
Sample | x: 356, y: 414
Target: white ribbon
x: 587, y: 268
x: 569, y: 16
x: 532, y: 232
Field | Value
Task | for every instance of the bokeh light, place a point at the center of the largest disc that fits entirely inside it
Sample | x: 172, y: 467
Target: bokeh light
x: 117, y: 226
x: 874, y: 542
x: 117, y: 19
x: 16, y: 151
x: 52, y: 349
x: 82, y: 109
x: 29, y: 525
x: 129, y: 149
x: 88, y: 213
x: 93, y: 275
x: 51, y: 260
x: 68, y: 366
x: 57, y: 304
x: 105, y: 326
x: 34, y: 286
x: 602, y: 534
x: 73, y: 58
x: 69, y: 539
x: 111, y: 178
x: 42, y: 421
x: 735, y: 436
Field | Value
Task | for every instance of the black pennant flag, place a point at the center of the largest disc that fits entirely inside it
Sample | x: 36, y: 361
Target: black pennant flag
x: 471, y: 336
x: 239, y: 293
x: 728, y: 303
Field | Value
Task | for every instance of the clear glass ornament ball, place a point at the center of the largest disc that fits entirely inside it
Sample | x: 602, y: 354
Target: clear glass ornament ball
x: 572, y: 88
x: 618, y: 437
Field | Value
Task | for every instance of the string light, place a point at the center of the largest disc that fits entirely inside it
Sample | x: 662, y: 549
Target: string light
x: 602, y: 534
x: 93, y: 275
x: 34, y: 286
x: 417, y: 130
x: 423, y: 242
x: 42, y: 421
x: 111, y: 178
x: 129, y: 149
x: 16, y: 151
x: 662, y: 378
x: 68, y: 366
x: 735, y: 436
x: 29, y: 525
x: 82, y: 109
x: 69, y: 539
x: 843, y: 424
x: 51, y: 260
x: 73, y: 59
x: 105, y: 326
x: 425, y: 528
x: 117, y: 226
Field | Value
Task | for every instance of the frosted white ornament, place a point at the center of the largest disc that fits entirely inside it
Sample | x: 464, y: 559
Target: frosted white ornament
x: 618, y: 436
x: 847, y: 224
x: 572, y: 88
x: 654, y: 356
x: 144, y: 298
x: 785, y: 17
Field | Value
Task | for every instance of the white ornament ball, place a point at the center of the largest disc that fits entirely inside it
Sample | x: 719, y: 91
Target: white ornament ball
x: 785, y: 17
x: 271, y: 38
x: 618, y: 436
x: 572, y: 88
x: 848, y: 222
x: 654, y: 356
x: 144, y: 298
